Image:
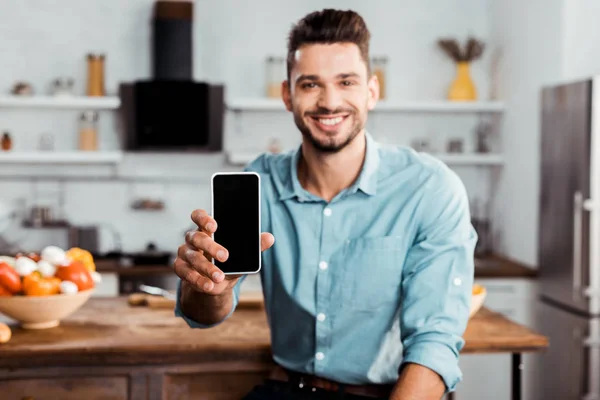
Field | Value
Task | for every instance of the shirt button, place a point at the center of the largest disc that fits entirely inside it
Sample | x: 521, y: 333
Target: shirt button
x: 321, y: 317
x: 323, y: 265
x: 327, y: 212
x: 319, y: 356
x: 457, y: 281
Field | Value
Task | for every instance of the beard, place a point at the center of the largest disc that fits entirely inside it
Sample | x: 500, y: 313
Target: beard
x: 330, y: 144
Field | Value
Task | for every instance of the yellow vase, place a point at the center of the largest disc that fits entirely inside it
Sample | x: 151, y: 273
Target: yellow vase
x: 463, y: 87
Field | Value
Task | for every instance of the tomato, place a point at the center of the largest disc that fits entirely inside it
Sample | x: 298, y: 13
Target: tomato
x: 36, y: 285
x: 4, y: 292
x: 35, y: 257
x: 77, y: 273
x: 9, y: 278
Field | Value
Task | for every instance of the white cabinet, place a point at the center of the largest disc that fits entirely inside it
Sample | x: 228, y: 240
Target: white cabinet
x: 488, y: 376
x: 109, y: 286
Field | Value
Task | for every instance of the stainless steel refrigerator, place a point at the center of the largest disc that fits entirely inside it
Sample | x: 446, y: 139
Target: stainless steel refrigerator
x: 569, y: 240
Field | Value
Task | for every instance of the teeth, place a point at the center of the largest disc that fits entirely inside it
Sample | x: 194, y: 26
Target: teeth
x: 331, y: 121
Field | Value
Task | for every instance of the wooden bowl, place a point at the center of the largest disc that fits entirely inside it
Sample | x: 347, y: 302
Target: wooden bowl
x: 477, y: 299
x: 42, y: 312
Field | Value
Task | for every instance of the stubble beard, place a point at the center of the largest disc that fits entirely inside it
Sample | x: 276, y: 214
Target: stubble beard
x: 329, y: 146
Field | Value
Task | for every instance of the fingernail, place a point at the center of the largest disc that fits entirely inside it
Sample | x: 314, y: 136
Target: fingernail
x: 216, y: 276
x: 210, y: 226
x: 221, y: 255
x: 207, y: 286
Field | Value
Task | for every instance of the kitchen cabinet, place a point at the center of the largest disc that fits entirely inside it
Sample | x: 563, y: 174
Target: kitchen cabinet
x: 488, y: 376
x: 74, y: 388
x: 109, y: 286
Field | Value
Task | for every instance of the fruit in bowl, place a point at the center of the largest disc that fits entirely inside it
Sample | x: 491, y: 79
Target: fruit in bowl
x: 477, y: 298
x: 39, y: 290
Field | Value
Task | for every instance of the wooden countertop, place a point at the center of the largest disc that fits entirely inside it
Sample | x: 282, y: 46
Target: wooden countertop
x: 497, y: 266
x: 493, y: 266
x: 110, y: 331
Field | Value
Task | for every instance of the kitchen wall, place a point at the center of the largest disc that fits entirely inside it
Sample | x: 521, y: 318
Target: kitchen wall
x: 530, y: 35
x: 47, y: 39
x: 580, y: 37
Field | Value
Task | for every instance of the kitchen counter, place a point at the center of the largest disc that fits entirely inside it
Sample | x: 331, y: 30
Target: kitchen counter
x: 112, y: 349
x: 493, y: 266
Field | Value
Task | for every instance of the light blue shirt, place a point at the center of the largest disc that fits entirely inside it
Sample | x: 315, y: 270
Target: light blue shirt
x: 380, y: 276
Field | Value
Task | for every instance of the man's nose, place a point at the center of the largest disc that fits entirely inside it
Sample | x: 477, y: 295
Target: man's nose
x: 330, y: 98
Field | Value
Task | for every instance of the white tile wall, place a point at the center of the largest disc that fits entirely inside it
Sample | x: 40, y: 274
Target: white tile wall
x: 45, y: 39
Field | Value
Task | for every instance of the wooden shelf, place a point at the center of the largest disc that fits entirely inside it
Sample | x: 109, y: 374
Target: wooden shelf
x: 266, y: 104
x: 60, y: 102
x: 60, y: 157
x: 243, y: 158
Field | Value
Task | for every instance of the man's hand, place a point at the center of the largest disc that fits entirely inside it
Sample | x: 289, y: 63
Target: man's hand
x: 418, y: 383
x: 194, y: 258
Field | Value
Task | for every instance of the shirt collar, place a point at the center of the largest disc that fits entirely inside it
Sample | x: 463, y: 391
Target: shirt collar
x: 366, y: 182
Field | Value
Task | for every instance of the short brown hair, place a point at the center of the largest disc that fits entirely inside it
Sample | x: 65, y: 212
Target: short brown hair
x: 326, y: 27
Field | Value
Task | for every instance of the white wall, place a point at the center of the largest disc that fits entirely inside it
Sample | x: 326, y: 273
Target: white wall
x: 44, y: 39
x: 581, y: 58
x: 530, y: 35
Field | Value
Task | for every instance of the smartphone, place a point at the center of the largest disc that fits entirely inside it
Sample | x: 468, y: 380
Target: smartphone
x: 236, y: 208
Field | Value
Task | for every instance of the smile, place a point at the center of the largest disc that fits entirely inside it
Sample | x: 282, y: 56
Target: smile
x: 330, y: 122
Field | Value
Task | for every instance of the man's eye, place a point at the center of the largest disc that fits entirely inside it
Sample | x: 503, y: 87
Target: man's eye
x: 309, y: 85
x: 347, y: 83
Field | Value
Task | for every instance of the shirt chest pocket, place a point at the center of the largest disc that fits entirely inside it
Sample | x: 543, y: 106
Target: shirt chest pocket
x: 369, y: 272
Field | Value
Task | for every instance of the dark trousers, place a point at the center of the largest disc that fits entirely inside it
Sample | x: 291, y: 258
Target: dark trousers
x: 276, y: 390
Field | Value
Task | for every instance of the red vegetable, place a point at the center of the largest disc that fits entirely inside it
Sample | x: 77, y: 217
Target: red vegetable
x: 9, y: 279
x: 77, y: 273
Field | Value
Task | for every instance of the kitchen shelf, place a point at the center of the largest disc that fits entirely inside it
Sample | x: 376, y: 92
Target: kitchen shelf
x: 61, y: 102
x: 61, y: 157
x: 471, y: 159
x: 266, y: 104
x: 243, y: 158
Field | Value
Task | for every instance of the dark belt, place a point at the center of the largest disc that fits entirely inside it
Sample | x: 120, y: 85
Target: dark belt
x: 305, y: 381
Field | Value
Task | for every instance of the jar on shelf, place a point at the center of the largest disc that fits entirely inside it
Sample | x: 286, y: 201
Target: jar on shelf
x: 95, y: 83
x: 88, y: 131
x: 6, y: 141
x: 379, y: 65
x: 275, y: 76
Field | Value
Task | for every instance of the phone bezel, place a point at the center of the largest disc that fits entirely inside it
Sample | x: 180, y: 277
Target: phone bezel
x: 212, y: 205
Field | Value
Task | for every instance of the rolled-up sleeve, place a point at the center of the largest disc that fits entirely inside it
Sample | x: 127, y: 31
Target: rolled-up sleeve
x: 438, y: 277
x: 193, y: 324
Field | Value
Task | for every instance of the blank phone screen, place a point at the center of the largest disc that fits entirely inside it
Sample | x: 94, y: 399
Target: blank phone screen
x: 236, y: 208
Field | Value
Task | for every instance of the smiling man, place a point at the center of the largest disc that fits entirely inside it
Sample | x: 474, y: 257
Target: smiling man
x: 369, y: 285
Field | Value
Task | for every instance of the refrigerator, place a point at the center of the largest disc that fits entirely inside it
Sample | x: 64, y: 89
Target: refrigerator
x: 569, y: 241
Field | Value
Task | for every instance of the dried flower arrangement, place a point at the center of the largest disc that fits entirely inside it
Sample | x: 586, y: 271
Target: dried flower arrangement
x: 463, y: 87
x: 472, y: 50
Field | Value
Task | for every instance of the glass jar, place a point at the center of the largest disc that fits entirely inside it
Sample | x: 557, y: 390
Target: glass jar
x: 380, y: 69
x: 6, y: 141
x: 95, y: 84
x: 275, y: 76
x: 88, y: 131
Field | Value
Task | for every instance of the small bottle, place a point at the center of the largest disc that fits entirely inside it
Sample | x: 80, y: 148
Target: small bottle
x: 380, y: 69
x: 95, y: 84
x: 275, y: 76
x: 6, y: 141
x: 88, y: 131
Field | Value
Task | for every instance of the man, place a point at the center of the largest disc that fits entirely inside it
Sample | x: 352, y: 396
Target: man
x: 368, y: 287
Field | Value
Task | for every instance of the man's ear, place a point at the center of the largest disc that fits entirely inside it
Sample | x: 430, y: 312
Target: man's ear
x: 373, y: 88
x: 286, y: 95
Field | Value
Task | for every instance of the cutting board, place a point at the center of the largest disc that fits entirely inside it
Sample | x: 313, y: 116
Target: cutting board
x: 247, y: 300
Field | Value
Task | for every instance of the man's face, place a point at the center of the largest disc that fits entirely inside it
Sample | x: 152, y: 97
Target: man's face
x: 330, y: 94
